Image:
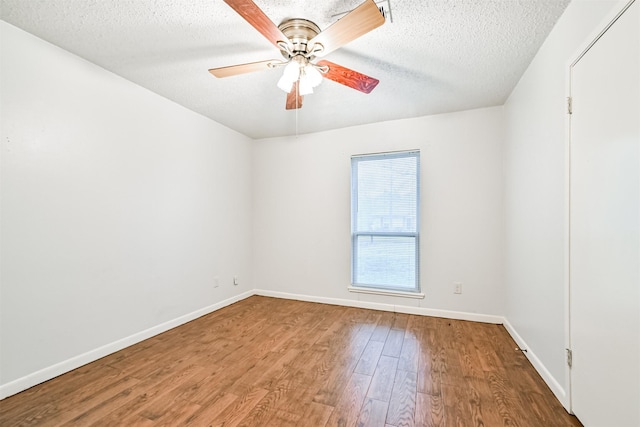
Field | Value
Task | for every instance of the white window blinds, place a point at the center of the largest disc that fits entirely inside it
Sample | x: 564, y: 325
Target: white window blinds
x: 385, y: 221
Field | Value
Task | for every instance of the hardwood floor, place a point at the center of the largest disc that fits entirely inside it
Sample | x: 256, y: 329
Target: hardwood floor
x: 270, y: 362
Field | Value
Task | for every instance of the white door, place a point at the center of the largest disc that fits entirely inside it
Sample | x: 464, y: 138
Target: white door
x: 605, y: 228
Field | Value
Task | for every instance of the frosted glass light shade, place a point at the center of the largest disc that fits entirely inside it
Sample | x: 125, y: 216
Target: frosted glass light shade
x: 290, y: 74
x: 299, y: 69
x: 304, y: 87
x: 285, y: 84
x: 312, y: 75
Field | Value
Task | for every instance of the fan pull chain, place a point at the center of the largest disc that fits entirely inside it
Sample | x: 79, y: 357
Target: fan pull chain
x: 297, y: 106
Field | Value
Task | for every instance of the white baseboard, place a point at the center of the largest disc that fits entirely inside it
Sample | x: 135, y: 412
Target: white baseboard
x: 554, y: 385
x: 457, y: 315
x: 53, y: 371
x: 551, y: 382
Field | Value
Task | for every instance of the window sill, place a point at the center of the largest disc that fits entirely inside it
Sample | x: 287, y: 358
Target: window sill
x: 374, y: 291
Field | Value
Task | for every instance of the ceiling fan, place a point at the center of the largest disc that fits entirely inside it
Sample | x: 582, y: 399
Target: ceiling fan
x: 300, y: 42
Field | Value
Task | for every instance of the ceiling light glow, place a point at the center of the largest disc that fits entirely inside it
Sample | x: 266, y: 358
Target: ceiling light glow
x: 300, y: 69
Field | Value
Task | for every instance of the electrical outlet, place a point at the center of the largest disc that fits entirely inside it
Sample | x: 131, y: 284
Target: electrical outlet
x: 457, y: 287
x: 216, y: 282
x: 235, y: 280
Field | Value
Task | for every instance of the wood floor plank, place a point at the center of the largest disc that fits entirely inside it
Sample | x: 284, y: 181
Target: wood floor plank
x: 469, y: 360
x: 400, y: 321
x: 415, y: 326
x: 52, y: 393
x: 382, y: 381
x: 313, y: 323
x: 489, y: 361
x: 316, y: 414
x: 97, y: 406
x: 62, y: 408
x: 141, y: 422
x: 265, y: 408
x: 176, y: 414
x: 348, y: 408
x: 282, y: 419
x: 165, y: 403
x: 334, y: 383
x: 382, y: 328
x: 429, y: 378
x: 393, y: 344
x: 156, y: 395
x: 259, y: 369
x: 233, y: 415
x: 369, y: 359
x: 479, y: 399
x: 409, y: 355
x: 270, y: 362
x: 449, y: 362
x: 456, y: 408
x: 373, y: 413
x: 312, y: 365
x: 430, y: 410
x: 207, y: 414
x: 403, y: 399
x: 504, y: 399
x: 344, y: 365
x: 213, y: 382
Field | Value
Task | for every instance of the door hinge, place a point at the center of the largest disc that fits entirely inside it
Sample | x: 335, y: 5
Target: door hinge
x: 569, y: 105
x: 569, y: 357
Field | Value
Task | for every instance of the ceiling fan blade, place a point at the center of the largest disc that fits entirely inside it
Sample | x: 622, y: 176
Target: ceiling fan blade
x: 356, y: 23
x: 234, y: 70
x: 348, y: 77
x: 258, y: 20
x: 294, y: 99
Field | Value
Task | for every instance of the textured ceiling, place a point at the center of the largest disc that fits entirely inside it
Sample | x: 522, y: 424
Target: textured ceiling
x: 436, y: 56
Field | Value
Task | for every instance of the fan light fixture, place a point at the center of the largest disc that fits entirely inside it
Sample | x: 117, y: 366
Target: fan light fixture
x: 300, y: 69
x: 300, y: 42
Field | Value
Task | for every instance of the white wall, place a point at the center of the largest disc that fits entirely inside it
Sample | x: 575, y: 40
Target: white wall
x: 118, y: 209
x: 535, y: 190
x: 302, y: 209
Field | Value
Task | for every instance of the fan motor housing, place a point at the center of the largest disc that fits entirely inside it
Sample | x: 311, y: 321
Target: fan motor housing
x: 299, y: 32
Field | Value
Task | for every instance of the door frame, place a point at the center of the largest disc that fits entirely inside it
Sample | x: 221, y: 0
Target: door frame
x: 600, y: 30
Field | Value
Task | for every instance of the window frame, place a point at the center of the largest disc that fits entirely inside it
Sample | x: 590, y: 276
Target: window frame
x: 414, y: 292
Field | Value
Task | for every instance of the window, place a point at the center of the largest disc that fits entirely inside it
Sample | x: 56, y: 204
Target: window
x: 385, y: 221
